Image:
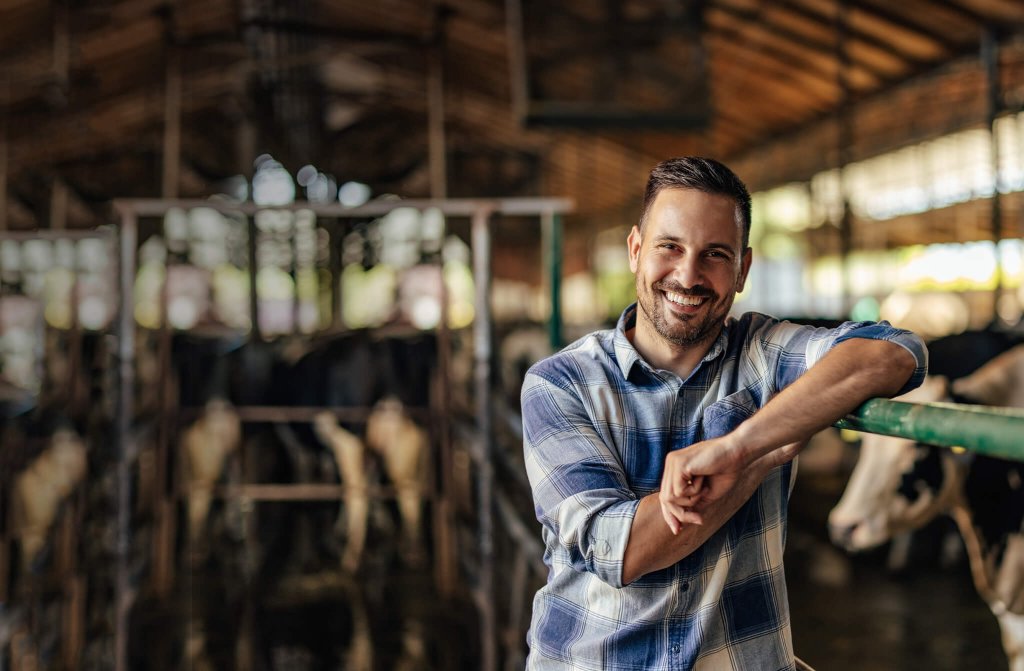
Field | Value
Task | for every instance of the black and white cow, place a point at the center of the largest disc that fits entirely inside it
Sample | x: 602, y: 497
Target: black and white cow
x: 899, y: 485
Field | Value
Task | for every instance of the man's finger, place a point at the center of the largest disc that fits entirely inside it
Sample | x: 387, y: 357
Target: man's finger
x: 672, y: 522
x: 675, y: 486
x: 684, y: 515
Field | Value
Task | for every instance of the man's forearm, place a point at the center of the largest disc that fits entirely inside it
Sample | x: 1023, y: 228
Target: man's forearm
x: 851, y: 373
x: 652, y: 546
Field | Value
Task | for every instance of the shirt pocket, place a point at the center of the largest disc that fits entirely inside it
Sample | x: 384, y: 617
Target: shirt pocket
x: 727, y: 413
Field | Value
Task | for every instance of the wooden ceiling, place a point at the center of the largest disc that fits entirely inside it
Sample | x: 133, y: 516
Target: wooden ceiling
x: 144, y: 98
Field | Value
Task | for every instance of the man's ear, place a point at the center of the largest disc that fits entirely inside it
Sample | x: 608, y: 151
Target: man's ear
x: 633, y: 243
x: 745, y: 261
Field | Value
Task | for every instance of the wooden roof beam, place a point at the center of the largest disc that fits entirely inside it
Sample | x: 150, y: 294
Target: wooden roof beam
x: 808, y: 90
x: 914, y: 47
x: 1000, y: 13
x: 823, y: 48
x: 952, y: 12
x: 789, y: 53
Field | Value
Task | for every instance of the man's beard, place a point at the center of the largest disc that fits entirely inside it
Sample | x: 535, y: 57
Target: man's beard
x: 682, y: 332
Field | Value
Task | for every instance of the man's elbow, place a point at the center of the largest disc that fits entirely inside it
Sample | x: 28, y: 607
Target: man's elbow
x: 893, y: 367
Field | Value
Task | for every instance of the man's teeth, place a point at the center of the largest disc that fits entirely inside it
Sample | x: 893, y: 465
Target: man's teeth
x: 680, y: 299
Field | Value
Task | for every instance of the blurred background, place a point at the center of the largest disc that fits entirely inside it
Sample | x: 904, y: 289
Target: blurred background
x: 271, y: 273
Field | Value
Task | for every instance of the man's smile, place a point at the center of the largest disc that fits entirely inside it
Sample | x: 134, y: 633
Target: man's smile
x: 683, y: 300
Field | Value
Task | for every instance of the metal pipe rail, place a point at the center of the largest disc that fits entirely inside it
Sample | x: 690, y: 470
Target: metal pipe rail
x: 994, y: 432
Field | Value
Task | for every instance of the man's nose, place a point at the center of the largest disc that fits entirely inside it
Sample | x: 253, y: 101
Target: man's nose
x: 688, y: 271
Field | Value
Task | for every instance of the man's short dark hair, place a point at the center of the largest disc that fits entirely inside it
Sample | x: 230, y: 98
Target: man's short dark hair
x: 702, y: 174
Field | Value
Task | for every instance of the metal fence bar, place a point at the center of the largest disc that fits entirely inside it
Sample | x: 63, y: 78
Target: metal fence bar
x: 482, y: 337
x: 995, y: 432
x: 125, y: 441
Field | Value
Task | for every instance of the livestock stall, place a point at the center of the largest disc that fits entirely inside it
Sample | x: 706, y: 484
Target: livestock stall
x: 57, y: 416
x: 477, y: 563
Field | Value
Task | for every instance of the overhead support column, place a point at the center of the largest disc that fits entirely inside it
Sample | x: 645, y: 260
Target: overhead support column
x: 172, y: 125
x: 844, y: 152
x: 446, y: 570
x: 990, y: 62
x: 435, y: 109
x: 517, y: 58
x: 246, y: 146
x: 551, y: 230
x: 126, y: 449
x: 164, y: 501
x: 3, y: 154
x: 61, y: 45
x: 58, y: 205
x: 482, y: 338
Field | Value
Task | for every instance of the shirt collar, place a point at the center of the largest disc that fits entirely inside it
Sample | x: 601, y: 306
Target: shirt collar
x: 627, y: 356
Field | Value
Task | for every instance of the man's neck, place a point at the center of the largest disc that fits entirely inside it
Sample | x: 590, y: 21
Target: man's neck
x: 665, y: 355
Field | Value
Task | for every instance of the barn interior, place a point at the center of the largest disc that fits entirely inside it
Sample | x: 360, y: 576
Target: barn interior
x: 272, y: 271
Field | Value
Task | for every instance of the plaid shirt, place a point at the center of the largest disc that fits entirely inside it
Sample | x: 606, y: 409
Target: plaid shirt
x: 598, y: 422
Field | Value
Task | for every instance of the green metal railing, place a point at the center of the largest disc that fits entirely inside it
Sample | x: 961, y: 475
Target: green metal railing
x: 996, y: 432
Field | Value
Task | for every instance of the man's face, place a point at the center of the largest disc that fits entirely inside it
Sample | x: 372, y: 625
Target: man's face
x: 689, y: 264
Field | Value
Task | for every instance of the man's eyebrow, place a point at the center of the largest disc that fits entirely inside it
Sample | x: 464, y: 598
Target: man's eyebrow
x: 723, y: 246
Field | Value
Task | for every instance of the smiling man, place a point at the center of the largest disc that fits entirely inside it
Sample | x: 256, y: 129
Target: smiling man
x: 659, y: 452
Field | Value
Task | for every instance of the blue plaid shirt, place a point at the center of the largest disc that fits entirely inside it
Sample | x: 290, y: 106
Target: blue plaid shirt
x: 597, y: 423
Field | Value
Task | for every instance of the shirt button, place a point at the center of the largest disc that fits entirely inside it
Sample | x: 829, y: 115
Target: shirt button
x: 675, y: 648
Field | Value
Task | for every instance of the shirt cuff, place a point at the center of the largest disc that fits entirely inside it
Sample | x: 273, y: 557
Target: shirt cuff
x: 608, y: 536
x: 905, y: 339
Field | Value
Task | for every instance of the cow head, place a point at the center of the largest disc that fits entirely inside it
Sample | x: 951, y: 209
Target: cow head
x: 896, y: 485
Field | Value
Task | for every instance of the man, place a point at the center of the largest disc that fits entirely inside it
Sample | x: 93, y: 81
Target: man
x: 705, y: 408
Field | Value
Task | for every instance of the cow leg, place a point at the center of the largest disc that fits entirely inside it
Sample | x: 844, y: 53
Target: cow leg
x: 1008, y: 602
x: 402, y: 462
x: 199, y: 499
x: 356, y: 499
x: 207, y: 444
x: 1011, y: 626
x: 348, y: 455
x: 410, y: 508
x: 403, y: 447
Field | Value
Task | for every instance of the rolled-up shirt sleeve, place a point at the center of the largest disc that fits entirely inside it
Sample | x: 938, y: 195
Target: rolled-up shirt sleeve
x: 580, y: 492
x: 793, y: 348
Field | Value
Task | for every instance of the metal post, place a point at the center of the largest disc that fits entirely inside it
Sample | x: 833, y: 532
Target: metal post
x: 172, y: 125
x: 995, y: 432
x: 551, y: 230
x: 162, y: 552
x: 3, y: 157
x: 61, y: 44
x: 481, y: 242
x: 125, y: 439
x: 844, y: 151
x: 435, y: 110
x: 517, y: 58
x: 253, y: 298
x: 336, y: 237
x: 990, y: 61
x: 58, y: 204
x: 446, y: 556
x: 446, y: 563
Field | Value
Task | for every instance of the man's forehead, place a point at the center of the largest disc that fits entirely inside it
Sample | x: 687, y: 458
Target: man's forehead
x: 677, y: 207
